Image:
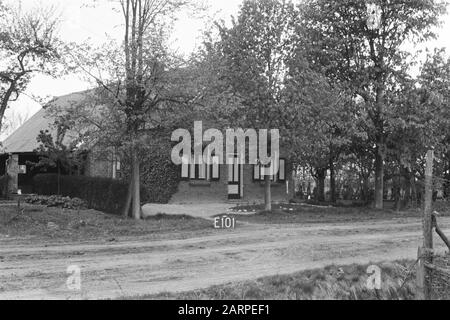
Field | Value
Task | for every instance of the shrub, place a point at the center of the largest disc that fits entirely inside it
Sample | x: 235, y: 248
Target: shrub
x: 58, y: 201
x: 159, y: 176
x: 160, y: 180
x: 3, y: 185
x: 101, y: 194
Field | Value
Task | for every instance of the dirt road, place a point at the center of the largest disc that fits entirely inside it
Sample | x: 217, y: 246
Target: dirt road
x: 138, y: 266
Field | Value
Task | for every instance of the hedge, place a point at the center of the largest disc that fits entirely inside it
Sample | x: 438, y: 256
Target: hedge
x: 159, y: 180
x: 159, y: 177
x: 101, y: 194
x: 3, y: 185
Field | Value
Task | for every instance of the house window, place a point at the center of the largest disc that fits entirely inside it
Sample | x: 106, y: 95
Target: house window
x: 282, y: 171
x: 214, y: 169
x: 198, y: 171
x: 234, y: 170
x: 204, y: 171
x: 117, y: 169
x: 185, y: 168
x: 259, y: 172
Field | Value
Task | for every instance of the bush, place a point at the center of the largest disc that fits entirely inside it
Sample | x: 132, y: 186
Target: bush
x: 3, y: 185
x: 58, y: 201
x: 101, y: 194
x: 160, y: 178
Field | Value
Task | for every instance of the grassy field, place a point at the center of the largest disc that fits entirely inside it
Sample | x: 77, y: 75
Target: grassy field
x: 63, y: 224
x: 304, y: 213
x: 330, y: 283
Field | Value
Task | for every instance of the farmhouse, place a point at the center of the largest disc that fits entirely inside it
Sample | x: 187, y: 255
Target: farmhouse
x: 17, y: 153
x: 197, y: 182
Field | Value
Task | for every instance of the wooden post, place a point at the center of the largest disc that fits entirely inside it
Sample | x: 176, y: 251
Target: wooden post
x: 428, y: 212
x: 439, y: 231
x: 426, y: 256
x: 420, y: 276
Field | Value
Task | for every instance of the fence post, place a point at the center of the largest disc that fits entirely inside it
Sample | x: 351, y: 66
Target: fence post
x: 427, y: 256
x: 427, y: 218
x: 420, y: 275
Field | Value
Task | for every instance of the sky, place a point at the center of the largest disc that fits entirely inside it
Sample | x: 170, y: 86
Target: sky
x: 80, y: 22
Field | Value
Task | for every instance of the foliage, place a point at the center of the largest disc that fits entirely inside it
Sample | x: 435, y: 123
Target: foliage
x: 262, y: 79
x: 3, y: 185
x: 159, y: 176
x: 248, y: 67
x: 101, y: 194
x: 371, y: 62
x: 56, y: 154
x: 251, y: 62
x: 140, y: 82
x: 58, y: 201
x: 160, y: 180
x: 28, y: 45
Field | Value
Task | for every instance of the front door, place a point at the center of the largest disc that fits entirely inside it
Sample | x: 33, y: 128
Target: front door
x: 235, y: 181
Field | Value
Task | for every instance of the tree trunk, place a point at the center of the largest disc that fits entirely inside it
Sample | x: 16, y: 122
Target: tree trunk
x: 320, y: 189
x: 136, y: 208
x: 413, y: 191
x: 59, y: 178
x: 5, y: 100
x: 365, y: 189
x: 2, y: 115
x: 332, y: 183
x: 267, y: 193
x: 379, y: 179
x: 126, y: 210
x: 397, y: 193
x: 407, y: 187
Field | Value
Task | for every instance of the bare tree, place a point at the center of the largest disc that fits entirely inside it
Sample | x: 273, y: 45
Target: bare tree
x: 139, y: 81
x: 13, y: 121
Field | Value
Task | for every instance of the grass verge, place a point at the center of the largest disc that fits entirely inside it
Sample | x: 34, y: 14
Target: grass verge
x: 305, y: 213
x: 330, y: 283
x: 64, y: 224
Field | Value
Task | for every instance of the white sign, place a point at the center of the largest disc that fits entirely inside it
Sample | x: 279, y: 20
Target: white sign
x: 374, y: 280
x: 74, y: 280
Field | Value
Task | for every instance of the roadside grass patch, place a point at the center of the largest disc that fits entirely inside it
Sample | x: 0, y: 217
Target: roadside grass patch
x: 76, y: 225
x: 305, y: 213
x: 330, y: 283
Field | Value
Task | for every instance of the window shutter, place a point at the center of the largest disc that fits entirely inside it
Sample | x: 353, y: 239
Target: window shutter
x: 256, y: 173
x: 271, y: 172
x: 230, y: 169
x: 266, y: 171
x: 185, y: 168
x: 282, y: 170
x: 201, y: 171
x: 215, y: 172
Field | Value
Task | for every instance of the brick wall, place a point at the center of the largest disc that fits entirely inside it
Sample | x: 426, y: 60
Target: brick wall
x: 217, y: 191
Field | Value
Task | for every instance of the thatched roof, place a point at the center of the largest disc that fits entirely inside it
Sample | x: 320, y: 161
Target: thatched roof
x: 24, y: 139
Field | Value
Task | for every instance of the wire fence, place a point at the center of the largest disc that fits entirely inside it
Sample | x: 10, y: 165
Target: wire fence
x: 438, y: 276
x: 434, y: 267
